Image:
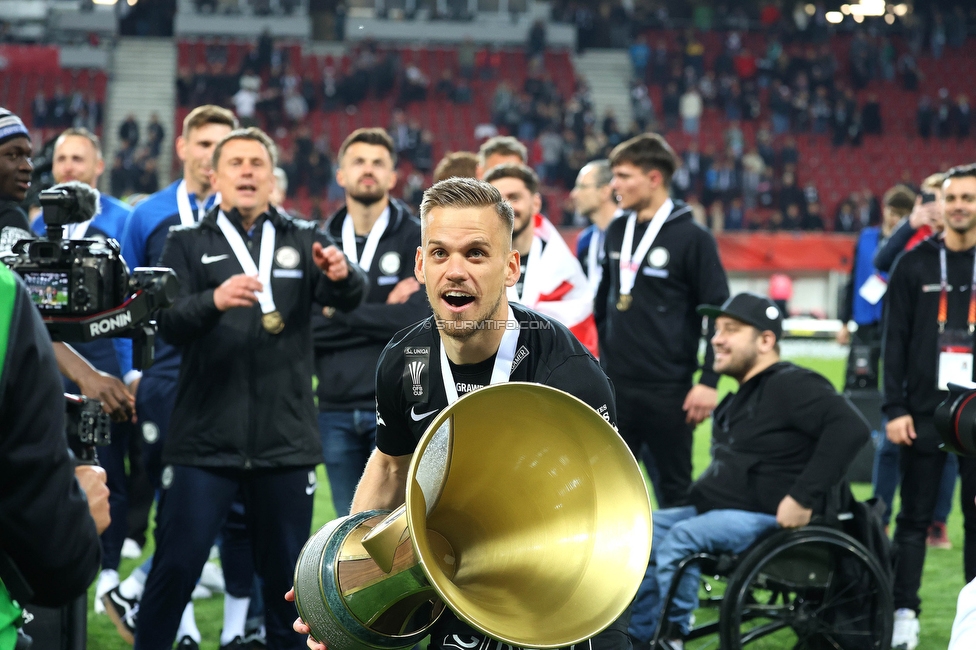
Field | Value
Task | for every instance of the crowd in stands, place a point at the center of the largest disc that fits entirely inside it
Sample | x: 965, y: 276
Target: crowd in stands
x: 766, y: 90
x: 62, y: 110
x: 136, y: 163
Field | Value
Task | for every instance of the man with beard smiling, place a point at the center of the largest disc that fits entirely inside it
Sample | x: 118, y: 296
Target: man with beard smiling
x: 378, y: 233
x: 551, y: 280
x: 778, y: 447
x: 928, y: 343
x: 476, y: 337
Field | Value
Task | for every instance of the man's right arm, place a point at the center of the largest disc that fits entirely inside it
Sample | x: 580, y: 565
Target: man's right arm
x: 888, y: 252
x: 900, y: 313
x: 384, y: 483
x: 46, y: 526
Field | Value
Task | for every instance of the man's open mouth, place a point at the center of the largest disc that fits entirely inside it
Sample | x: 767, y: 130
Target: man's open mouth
x: 458, y: 299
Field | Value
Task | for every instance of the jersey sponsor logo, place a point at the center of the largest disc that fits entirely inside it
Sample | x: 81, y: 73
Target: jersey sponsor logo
x: 416, y: 373
x: 287, y: 257
x: 464, y: 389
x: 658, y: 257
x: 210, y: 259
x: 416, y: 369
x: 417, y: 417
x: 519, y: 357
x: 110, y: 324
x: 934, y: 288
x: 390, y: 263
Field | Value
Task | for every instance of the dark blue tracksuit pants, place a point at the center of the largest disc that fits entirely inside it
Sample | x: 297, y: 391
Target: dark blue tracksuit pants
x: 278, y: 507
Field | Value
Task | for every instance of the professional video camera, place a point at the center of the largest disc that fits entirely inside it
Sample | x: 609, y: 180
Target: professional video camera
x: 82, y: 287
x: 955, y: 419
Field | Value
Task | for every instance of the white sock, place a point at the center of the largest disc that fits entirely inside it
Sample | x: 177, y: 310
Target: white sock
x: 107, y: 579
x: 188, y: 624
x: 133, y: 586
x: 235, y: 616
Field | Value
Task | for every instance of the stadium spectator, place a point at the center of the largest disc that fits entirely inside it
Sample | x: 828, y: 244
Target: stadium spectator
x: 379, y: 234
x: 646, y: 297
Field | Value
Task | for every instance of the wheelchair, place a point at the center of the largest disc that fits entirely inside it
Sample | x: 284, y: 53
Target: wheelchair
x: 811, y: 588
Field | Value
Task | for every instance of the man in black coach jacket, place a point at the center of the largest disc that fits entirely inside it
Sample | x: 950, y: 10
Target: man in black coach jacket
x: 244, y: 417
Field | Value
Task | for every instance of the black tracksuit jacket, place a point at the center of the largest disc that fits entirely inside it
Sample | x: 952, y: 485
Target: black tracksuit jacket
x: 911, y: 333
x: 786, y: 431
x: 348, y: 345
x: 244, y: 397
x: 656, y: 340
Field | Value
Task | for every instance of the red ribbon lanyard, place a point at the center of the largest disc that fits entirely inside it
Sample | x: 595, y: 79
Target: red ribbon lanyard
x: 944, y: 295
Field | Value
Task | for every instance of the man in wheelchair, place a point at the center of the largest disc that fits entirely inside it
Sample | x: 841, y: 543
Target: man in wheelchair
x: 779, y: 447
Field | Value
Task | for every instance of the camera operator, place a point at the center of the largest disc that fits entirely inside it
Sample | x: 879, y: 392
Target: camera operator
x: 15, y: 180
x: 49, y: 547
x: 77, y: 157
x: 928, y: 342
x: 244, y: 419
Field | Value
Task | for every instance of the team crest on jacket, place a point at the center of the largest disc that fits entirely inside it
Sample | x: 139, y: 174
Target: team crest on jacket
x: 659, y: 257
x: 150, y: 432
x: 287, y: 257
x: 390, y: 263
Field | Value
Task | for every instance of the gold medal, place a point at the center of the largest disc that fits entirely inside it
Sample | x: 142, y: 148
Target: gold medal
x: 623, y: 302
x: 273, y: 322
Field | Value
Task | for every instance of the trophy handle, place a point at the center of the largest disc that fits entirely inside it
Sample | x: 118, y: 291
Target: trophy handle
x: 382, y: 541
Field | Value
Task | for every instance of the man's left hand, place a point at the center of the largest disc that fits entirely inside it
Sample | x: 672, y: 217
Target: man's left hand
x: 699, y: 403
x: 790, y: 514
x: 331, y: 261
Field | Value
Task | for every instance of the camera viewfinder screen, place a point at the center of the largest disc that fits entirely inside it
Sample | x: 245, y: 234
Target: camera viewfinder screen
x: 48, y: 290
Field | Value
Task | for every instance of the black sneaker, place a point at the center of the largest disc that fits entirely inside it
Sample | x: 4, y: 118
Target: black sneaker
x: 236, y: 644
x: 187, y: 643
x: 123, y: 612
x: 255, y: 640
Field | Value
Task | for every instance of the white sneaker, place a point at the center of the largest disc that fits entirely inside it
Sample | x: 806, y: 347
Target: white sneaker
x: 131, y: 549
x: 107, y: 581
x: 905, y: 635
x: 212, y: 577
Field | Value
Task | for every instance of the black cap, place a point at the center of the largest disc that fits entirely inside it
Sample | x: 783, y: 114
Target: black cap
x: 750, y: 308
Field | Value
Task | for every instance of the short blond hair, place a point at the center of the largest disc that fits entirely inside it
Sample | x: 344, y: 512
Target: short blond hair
x: 456, y: 164
x: 208, y: 114
x: 466, y: 193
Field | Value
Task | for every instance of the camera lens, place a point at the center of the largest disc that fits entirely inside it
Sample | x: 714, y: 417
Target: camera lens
x: 955, y: 420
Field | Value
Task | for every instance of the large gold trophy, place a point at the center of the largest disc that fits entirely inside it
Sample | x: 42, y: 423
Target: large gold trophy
x: 525, y: 514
